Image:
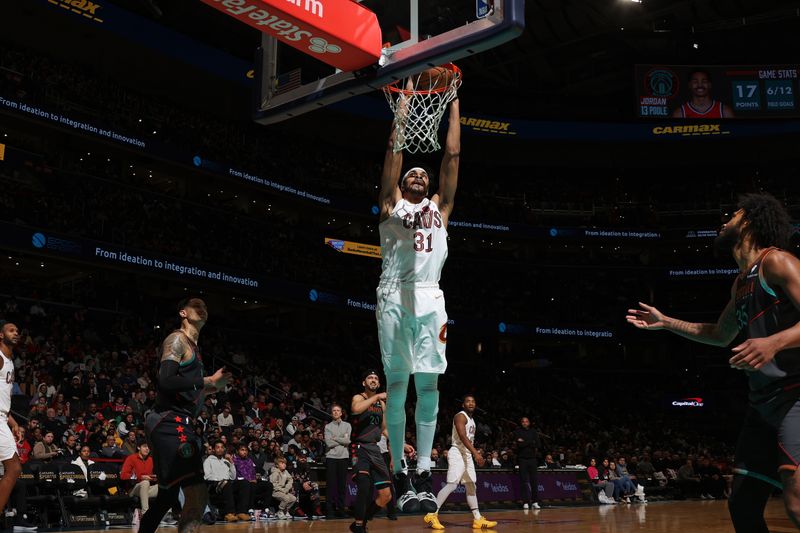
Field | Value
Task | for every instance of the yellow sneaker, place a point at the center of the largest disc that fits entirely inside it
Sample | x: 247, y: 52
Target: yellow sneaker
x: 432, y: 519
x: 482, y: 523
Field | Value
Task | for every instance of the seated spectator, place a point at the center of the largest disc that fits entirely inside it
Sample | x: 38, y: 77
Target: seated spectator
x: 220, y: 474
x: 225, y: 419
x: 495, y: 462
x: 505, y: 461
x: 130, y: 445
x: 246, y: 469
x: 307, y: 489
x: 138, y: 467
x: 110, y: 448
x: 23, y: 446
x: 126, y: 425
x: 600, y: 481
x: 550, y: 463
x: 645, y: 471
x: 45, y: 451
x: 628, y: 481
x: 688, y: 481
x: 436, y: 460
x: 712, y: 484
x: 283, y: 489
x: 619, y: 486
x: 72, y: 449
x: 83, y: 463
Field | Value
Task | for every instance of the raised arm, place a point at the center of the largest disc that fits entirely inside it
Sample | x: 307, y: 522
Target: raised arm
x: 448, y: 173
x: 720, y: 333
x: 390, y: 191
x: 359, y: 403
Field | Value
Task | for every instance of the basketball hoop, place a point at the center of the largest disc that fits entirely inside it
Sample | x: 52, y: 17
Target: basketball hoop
x: 418, y: 105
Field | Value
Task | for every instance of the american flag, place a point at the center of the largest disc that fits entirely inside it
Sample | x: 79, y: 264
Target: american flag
x: 288, y: 81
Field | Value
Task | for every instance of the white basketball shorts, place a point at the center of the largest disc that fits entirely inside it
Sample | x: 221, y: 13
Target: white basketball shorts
x: 412, y: 327
x: 8, y: 445
x: 460, y: 466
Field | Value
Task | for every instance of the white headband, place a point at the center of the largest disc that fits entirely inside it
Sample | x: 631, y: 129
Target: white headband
x: 410, y: 170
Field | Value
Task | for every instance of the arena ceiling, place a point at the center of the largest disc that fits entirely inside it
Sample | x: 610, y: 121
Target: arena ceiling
x: 575, y: 58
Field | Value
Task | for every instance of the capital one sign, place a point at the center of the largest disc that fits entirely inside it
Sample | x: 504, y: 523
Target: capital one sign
x: 341, y: 33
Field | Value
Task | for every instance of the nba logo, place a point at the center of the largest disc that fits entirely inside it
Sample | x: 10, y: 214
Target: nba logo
x: 482, y: 8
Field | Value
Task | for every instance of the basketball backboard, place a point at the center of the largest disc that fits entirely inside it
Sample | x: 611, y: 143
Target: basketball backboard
x: 417, y: 34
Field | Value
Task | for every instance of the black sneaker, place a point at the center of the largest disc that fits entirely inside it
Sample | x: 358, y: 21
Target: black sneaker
x: 407, y: 501
x: 22, y: 524
x: 356, y: 528
x: 422, y: 484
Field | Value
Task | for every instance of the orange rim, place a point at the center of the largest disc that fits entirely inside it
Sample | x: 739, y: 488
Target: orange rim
x: 393, y: 87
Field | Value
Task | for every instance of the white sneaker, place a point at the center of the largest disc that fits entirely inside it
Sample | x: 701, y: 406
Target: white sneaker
x: 525, y: 506
x: 536, y: 505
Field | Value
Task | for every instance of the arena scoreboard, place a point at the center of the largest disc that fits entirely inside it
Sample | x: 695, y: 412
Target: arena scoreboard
x: 749, y: 91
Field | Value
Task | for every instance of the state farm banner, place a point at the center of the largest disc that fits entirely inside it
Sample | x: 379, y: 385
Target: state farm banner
x: 341, y: 33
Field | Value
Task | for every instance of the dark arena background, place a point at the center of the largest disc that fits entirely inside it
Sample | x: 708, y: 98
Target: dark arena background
x: 134, y: 175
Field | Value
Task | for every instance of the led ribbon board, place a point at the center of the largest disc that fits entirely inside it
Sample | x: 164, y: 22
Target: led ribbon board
x: 341, y: 33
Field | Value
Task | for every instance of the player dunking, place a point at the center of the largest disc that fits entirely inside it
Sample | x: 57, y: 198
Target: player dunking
x: 412, y: 322
x: 461, y: 468
x: 177, y: 450
x: 9, y: 338
x: 765, y: 308
x: 369, y: 467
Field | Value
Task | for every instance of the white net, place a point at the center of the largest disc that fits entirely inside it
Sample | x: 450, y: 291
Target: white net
x: 418, y: 104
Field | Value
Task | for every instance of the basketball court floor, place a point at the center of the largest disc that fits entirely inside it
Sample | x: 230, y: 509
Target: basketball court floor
x: 661, y: 517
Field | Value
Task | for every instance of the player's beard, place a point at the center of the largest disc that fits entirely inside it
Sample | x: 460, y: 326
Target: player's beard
x: 727, y: 240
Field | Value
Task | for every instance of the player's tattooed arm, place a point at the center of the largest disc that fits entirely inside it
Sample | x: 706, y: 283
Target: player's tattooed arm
x: 174, y: 352
x: 174, y: 348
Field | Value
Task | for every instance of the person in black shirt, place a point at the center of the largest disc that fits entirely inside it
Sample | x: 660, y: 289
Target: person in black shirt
x: 177, y: 450
x: 369, y: 468
x: 526, y: 439
x: 764, y: 312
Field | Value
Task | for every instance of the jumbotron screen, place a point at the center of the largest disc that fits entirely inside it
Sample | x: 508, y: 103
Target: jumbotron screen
x: 714, y: 92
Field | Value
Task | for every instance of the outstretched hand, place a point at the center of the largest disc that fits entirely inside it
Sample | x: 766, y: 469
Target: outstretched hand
x: 648, y: 317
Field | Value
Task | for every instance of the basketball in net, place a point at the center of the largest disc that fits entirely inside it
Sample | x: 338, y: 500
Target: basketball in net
x: 418, y: 103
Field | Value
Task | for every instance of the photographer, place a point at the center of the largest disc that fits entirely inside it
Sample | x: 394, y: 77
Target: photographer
x: 45, y: 450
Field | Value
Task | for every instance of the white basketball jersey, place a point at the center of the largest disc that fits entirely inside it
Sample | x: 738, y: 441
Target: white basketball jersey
x: 470, y: 429
x: 6, y: 383
x: 413, y: 243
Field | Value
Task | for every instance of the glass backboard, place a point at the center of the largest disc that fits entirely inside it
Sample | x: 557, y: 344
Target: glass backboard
x: 417, y: 34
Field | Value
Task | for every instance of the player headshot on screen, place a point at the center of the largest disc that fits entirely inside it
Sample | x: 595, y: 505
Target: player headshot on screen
x: 700, y: 103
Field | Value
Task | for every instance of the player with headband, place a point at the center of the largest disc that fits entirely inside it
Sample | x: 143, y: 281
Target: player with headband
x: 412, y: 322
